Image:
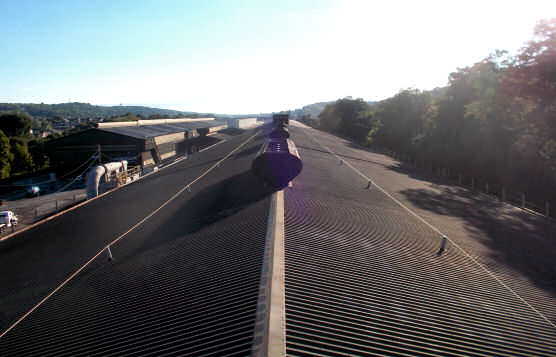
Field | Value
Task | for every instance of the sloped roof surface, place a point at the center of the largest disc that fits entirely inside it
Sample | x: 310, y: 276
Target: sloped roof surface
x: 184, y: 282
x: 151, y: 131
x: 362, y: 274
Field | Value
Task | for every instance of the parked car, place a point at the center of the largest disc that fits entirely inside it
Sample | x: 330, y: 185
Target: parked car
x: 33, y: 191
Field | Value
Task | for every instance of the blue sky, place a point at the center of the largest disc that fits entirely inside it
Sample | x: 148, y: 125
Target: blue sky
x: 246, y: 56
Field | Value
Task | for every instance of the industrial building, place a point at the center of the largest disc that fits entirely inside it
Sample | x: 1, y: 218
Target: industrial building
x: 242, y: 123
x: 203, y: 260
x: 142, y: 142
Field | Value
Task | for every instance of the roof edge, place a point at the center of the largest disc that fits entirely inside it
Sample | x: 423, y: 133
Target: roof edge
x: 149, y: 122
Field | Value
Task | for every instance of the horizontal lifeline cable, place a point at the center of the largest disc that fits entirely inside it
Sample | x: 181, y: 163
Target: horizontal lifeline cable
x: 72, y: 181
x: 75, y: 179
x: 125, y: 158
x: 123, y: 235
x: 439, y: 232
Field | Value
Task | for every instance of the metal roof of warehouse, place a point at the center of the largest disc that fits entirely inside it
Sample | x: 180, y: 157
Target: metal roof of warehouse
x: 151, y: 131
x: 360, y: 270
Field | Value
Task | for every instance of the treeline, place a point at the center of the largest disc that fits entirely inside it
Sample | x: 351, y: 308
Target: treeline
x: 496, y: 120
x: 20, y: 152
x: 311, y: 110
x: 129, y: 116
x: 85, y: 110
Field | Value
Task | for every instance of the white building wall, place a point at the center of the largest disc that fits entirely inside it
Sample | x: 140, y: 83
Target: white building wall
x: 242, y: 123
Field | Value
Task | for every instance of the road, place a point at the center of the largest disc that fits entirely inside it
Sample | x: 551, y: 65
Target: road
x: 45, y: 205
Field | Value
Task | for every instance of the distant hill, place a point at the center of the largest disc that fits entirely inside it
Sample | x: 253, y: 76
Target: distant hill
x: 314, y: 109
x: 84, y: 110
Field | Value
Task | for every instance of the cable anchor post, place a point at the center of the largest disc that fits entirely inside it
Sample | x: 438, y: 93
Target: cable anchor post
x: 109, y: 256
x: 442, y: 246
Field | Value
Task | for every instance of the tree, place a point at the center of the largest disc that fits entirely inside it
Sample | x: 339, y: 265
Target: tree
x: 159, y: 116
x: 38, y: 151
x: 78, y: 128
x: 46, y: 125
x: 5, y: 156
x: 22, y: 162
x: 528, y: 91
x: 348, y: 117
x: 401, y: 120
x: 495, y: 121
x: 328, y: 119
x: 15, y: 124
x: 308, y: 119
x: 468, y: 130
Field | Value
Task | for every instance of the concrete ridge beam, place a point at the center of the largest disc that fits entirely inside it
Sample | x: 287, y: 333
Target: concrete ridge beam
x: 269, y: 338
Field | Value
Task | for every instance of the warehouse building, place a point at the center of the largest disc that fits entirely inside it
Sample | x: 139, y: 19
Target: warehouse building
x: 242, y: 123
x: 143, y: 142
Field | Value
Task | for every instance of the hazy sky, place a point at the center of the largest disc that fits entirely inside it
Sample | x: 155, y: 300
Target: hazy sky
x: 246, y: 56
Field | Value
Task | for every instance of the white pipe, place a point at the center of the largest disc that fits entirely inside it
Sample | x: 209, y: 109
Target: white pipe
x: 114, y: 166
x: 96, y: 173
x: 93, y: 179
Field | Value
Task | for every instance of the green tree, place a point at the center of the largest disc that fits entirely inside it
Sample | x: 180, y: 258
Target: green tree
x: 348, y: 117
x: 5, y: 156
x: 308, y: 119
x: 46, y: 125
x: 53, y: 136
x: 22, y: 162
x: 468, y: 133
x: 328, y: 119
x: 528, y: 91
x: 495, y: 121
x: 400, y: 122
x: 38, y: 151
x: 15, y: 124
x: 159, y: 116
x: 78, y: 128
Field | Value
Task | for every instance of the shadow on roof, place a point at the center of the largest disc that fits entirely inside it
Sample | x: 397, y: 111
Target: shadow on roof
x: 206, y: 209
x: 518, y: 240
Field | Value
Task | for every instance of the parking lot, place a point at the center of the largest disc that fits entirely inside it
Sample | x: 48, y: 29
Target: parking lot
x: 28, y: 210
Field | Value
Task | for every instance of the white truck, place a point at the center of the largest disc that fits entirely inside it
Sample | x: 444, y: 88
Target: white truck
x: 7, y: 219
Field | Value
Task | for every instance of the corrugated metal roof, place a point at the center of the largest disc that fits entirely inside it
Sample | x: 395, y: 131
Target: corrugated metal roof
x: 362, y: 276
x: 186, y: 286
x: 151, y: 131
